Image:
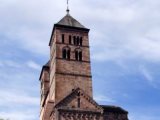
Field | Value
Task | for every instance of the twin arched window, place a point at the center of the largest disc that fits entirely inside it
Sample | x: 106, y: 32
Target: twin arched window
x: 77, y: 40
x: 78, y: 54
x: 66, y: 53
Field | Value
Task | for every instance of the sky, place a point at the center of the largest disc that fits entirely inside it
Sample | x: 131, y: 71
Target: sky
x: 124, y: 44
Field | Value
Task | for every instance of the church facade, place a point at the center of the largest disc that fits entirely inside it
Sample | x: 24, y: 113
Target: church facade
x: 66, y: 79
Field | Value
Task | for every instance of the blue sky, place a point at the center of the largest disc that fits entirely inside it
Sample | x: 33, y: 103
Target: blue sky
x: 125, y: 53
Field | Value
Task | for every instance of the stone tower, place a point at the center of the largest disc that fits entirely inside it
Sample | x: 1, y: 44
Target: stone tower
x: 69, y: 59
x: 66, y: 81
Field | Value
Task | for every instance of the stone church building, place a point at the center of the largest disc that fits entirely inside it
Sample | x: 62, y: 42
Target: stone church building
x: 66, y: 79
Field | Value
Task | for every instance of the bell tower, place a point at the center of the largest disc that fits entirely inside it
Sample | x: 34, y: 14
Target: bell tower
x: 69, y: 59
x: 69, y: 65
x: 66, y: 80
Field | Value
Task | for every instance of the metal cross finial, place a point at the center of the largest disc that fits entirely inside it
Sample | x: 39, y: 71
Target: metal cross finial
x: 67, y: 7
x: 67, y: 2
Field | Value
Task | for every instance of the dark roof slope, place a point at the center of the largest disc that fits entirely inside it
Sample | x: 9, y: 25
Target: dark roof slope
x: 114, y: 109
x: 47, y: 65
x: 68, y: 20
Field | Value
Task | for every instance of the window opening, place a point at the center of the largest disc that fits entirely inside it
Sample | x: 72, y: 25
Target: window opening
x: 81, y: 41
x: 70, y: 39
x: 78, y: 55
x: 79, y: 100
x: 77, y: 41
x: 66, y: 53
x: 74, y: 40
x: 62, y: 38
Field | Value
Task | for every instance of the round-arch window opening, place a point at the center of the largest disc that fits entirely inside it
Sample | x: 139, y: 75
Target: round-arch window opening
x: 78, y: 54
x: 66, y: 53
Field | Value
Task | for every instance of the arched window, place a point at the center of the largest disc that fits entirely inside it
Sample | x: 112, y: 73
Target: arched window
x: 74, y: 40
x: 81, y: 41
x: 66, y: 53
x: 77, y: 40
x: 62, y: 38
x: 70, y: 39
x: 78, y: 54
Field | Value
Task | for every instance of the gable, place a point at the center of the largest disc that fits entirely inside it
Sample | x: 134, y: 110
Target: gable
x: 78, y: 99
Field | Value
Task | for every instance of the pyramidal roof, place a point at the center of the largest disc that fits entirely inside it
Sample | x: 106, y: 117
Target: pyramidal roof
x: 68, y: 20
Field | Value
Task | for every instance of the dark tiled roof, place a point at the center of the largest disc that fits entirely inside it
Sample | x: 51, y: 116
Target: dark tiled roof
x: 108, y: 108
x: 70, y: 21
x: 47, y: 64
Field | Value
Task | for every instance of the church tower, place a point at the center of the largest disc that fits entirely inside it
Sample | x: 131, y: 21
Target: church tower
x: 66, y: 80
x: 69, y: 59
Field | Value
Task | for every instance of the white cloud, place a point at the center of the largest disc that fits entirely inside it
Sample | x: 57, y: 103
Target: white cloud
x: 1, y: 64
x: 149, y: 77
x: 33, y: 65
x: 19, y: 115
x: 137, y: 37
x: 13, y: 64
x: 13, y: 97
x: 146, y: 74
x: 20, y: 24
x: 18, y: 91
x: 124, y: 26
x: 102, y: 98
x: 143, y: 117
x: 9, y: 63
x: 23, y: 80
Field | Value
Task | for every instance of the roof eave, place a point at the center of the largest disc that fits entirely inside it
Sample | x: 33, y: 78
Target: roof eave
x: 44, y: 67
x: 115, y: 107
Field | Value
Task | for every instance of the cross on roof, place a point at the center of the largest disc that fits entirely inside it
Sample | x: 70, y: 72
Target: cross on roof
x: 67, y: 7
